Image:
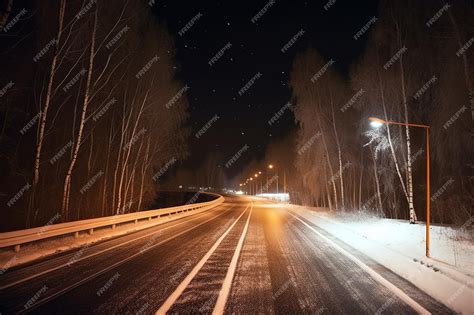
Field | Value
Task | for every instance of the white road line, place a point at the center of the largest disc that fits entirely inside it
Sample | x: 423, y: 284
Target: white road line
x: 377, y: 277
x: 183, y: 285
x: 227, y: 284
x: 198, y: 215
x: 119, y: 263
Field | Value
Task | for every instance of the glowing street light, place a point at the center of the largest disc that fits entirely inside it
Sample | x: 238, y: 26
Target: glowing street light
x: 270, y: 166
x: 376, y: 123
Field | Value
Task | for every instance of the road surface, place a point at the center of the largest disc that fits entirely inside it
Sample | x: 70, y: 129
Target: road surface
x: 244, y: 256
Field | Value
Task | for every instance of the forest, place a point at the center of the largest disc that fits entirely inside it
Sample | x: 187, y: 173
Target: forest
x: 416, y: 68
x: 101, y: 111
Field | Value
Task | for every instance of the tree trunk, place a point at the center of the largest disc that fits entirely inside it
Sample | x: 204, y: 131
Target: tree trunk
x: 44, y: 113
x: 408, y: 140
x: 339, y: 154
x: 77, y: 145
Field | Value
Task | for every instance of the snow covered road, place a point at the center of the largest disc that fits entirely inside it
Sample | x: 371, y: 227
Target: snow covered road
x: 271, y: 259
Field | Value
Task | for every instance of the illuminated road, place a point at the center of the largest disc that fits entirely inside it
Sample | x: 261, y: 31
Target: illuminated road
x: 245, y: 256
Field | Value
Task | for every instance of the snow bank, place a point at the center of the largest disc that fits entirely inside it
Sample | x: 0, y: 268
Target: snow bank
x: 447, y: 275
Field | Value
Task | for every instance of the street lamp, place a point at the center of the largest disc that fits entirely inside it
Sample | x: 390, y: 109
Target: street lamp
x: 376, y: 123
x: 270, y: 166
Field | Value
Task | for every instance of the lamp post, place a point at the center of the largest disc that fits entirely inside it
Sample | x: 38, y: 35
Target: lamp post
x: 270, y: 166
x: 376, y: 123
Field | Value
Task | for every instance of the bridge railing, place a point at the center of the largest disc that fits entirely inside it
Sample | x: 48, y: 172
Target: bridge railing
x: 20, y: 237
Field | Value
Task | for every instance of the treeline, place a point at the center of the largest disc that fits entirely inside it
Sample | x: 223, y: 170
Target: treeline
x: 93, y: 115
x: 417, y: 67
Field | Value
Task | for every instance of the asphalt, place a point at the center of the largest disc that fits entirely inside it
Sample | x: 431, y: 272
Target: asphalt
x: 283, y: 267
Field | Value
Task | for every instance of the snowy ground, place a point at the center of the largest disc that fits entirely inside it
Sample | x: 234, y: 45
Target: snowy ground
x: 447, y: 276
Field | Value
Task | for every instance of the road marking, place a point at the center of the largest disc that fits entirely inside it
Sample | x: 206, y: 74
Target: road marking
x: 377, y: 277
x: 198, y: 215
x: 183, y: 285
x: 59, y: 293
x: 227, y: 284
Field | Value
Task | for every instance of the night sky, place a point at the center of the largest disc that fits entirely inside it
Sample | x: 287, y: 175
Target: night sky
x: 213, y: 90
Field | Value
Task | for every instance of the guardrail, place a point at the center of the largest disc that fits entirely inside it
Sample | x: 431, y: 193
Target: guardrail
x: 21, y: 237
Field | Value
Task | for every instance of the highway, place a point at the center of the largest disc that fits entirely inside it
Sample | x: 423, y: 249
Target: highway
x: 244, y: 256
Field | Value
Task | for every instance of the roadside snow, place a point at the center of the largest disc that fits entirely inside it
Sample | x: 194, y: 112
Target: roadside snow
x: 447, y: 276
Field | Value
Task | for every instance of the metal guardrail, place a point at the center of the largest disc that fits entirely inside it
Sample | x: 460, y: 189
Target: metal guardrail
x: 20, y: 237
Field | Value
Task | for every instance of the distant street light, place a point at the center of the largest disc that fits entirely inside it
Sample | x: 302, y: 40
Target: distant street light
x: 376, y: 123
x: 270, y: 166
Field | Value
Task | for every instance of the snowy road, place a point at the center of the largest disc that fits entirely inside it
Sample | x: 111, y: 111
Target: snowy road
x: 245, y: 256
